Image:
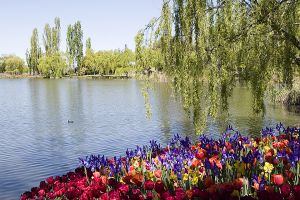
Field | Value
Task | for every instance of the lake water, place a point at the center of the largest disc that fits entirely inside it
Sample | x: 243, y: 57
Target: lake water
x: 109, y: 116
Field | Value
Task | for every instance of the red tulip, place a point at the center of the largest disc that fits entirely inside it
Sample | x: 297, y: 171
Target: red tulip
x: 277, y: 179
x: 43, y: 185
x: 285, y: 190
x: 180, y: 193
x: 297, y: 191
x: 41, y: 192
x: 50, y: 180
x: 114, y: 195
x: 104, y: 196
x: 159, y: 186
x: 166, y: 195
x: 123, y: 188
x: 136, y: 194
x: 50, y: 195
x: 149, y: 185
x: 26, y: 195
x: 149, y: 196
x: 238, y: 183
x: 200, y: 154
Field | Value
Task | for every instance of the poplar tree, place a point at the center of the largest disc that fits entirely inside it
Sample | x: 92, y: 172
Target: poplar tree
x: 34, y: 53
x: 75, y: 45
x: 88, y: 45
x: 56, y: 35
x: 47, y: 39
x: 51, y: 38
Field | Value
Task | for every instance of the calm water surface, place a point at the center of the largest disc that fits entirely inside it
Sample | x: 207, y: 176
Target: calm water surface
x: 109, y: 116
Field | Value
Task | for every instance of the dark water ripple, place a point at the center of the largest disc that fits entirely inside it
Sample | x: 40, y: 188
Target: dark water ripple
x: 37, y: 141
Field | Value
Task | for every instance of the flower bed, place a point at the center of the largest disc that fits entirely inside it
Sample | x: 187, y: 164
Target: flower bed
x: 232, y: 167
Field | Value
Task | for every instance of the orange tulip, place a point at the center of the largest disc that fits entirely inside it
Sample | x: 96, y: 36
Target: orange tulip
x: 138, y: 179
x: 96, y: 174
x: 158, y: 173
x: 256, y: 186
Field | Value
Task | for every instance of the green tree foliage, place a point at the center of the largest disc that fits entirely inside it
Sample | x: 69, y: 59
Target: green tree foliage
x: 109, y: 62
x: 47, y: 39
x: 51, y: 37
x: 54, y: 65
x: 56, y: 35
x: 207, y: 45
x: 89, y: 60
x: 12, y: 64
x: 2, y: 64
x: 88, y: 45
x: 75, y: 46
x: 148, y: 51
x: 34, y: 53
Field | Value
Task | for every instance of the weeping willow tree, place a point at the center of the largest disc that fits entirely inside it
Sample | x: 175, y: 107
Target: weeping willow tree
x: 206, y: 46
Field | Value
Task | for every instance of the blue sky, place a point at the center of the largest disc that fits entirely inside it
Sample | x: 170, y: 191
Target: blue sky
x: 110, y: 23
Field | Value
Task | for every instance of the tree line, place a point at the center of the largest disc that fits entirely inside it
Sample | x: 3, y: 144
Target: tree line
x: 207, y: 47
x: 48, y: 60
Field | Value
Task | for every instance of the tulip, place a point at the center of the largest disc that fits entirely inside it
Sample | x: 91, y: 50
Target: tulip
x: 158, y: 173
x: 96, y: 174
x: 41, y: 192
x: 50, y: 180
x: 200, y: 154
x: 114, y: 195
x: 149, y: 185
x: 149, y: 196
x: 159, y: 186
x: 123, y: 188
x: 285, y: 190
x: 277, y: 179
x: 297, y: 191
x: 104, y: 196
x: 166, y: 195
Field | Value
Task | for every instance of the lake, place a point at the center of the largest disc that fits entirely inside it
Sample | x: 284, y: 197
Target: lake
x: 108, y: 117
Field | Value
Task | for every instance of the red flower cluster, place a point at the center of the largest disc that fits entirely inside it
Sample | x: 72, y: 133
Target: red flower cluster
x: 286, y: 192
x: 77, y: 185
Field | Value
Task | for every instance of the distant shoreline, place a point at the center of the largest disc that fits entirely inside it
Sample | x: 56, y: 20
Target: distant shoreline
x: 18, y: 76
x: 160, y: 77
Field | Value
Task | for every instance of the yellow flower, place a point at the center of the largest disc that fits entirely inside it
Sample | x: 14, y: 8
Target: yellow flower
x: 268, y: 167
x: 266, y: 148
x: 240, y: 167
x: 149, y: 175
x: 275, y: 152
x: 254, y: 144
x: 185, y: 177
x: 173, y: 176
x: 194, y: 180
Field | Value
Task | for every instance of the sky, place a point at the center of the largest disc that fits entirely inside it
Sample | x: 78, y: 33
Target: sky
x: 110, y: 23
